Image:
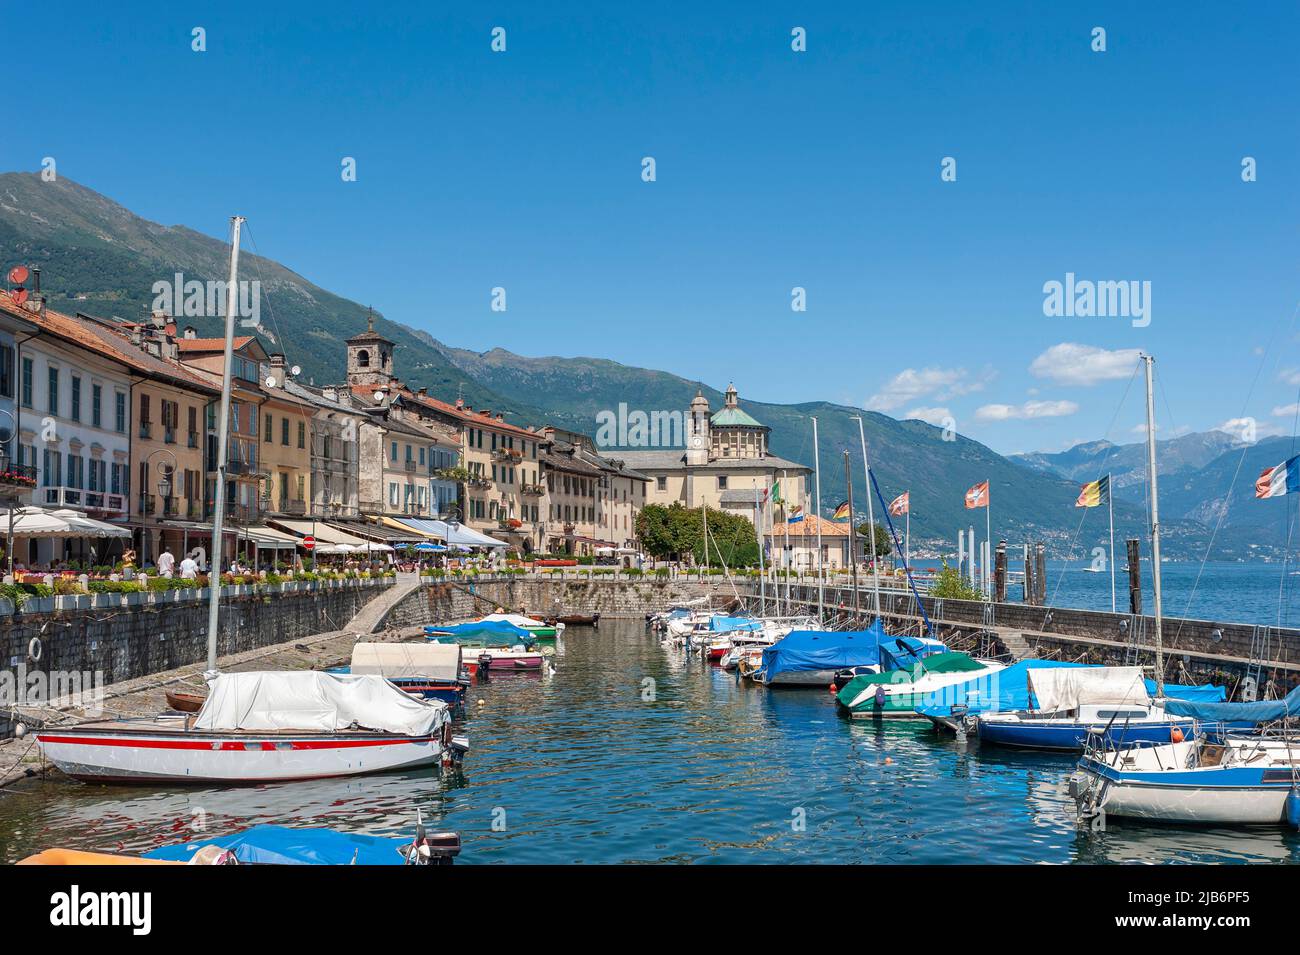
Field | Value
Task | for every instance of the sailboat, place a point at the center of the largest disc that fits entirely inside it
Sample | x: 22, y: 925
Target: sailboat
x: 259, y: 727
x: 1110, y: 704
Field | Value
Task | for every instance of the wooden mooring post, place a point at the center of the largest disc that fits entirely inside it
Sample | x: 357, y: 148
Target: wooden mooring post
x: 1134, y: 577
x: 1000, y: 573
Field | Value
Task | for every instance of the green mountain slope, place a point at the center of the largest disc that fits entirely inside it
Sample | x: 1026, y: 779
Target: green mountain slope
x: 98, y: 257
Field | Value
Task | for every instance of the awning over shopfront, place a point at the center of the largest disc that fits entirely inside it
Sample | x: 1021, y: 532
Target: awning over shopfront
x: 194, y: 527
x: 269, y: 538
x: 331, y: 540
x: 378, y: 532
x: 442, y: 531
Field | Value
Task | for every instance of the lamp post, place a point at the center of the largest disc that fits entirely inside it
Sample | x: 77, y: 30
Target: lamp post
x: 165, y: 473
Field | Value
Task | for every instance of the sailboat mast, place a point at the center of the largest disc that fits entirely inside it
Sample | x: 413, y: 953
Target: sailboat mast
x: 223, y: 440
x: 1155, y: 524
x: 853, y: 541
x: 817, y: 509
x: 871, y: 518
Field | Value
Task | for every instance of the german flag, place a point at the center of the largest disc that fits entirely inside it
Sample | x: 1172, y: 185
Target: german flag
x: 1095, y: 493
x: 842, y: 512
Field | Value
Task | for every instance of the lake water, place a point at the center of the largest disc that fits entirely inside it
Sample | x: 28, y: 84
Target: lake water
x: 575, y: 767
x: 1256, y: 593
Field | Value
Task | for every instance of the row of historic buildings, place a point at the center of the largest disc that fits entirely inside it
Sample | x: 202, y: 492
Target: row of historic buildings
x: 119, y: 420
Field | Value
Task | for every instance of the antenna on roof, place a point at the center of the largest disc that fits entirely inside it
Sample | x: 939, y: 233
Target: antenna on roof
x: 370, y: 318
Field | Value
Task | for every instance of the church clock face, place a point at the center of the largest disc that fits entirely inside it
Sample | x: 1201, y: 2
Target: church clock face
x: 697, y: 441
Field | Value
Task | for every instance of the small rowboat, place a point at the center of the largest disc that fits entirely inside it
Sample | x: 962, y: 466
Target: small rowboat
x: 185, y: 702
x: 579, y: 619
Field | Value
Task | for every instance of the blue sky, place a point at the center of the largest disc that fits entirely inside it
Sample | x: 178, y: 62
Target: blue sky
x: 775, y: 169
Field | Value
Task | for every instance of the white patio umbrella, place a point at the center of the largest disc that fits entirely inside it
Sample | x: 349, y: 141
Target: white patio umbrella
x: 37, y: 522
x: 84, y: 526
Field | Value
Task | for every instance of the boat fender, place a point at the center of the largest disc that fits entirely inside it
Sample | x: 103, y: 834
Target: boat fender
x: 880, y: 697
x: 1175, y: 735
x: 1293, y: 808
x: 34, y: 650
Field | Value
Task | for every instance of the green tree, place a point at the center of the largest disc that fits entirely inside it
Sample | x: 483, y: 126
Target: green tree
x: 949, y: 585
x: 884, y: 543
x: 670, y: 533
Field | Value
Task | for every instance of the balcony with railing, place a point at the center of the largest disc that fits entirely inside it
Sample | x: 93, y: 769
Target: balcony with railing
x: 478, y: 482
x: 292, y: 507
x: 409, y: 466
x: 507, y: 454
x: 192, y: 439
x: 169, y: 435
x: 80, y: 498
x: 146, y: 429
x: 148, y: 505
x: 532, y: 490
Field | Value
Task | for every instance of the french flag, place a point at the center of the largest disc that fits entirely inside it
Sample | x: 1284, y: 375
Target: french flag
x: 1283, y: 479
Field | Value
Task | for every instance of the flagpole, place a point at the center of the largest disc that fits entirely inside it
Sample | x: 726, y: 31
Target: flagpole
x: 817, y: 502
x: 988, y: 532
x: 762, y: 580
x: 871, y: 519
x: 785, y: 556
x: 907, y: 536
x: 1110, y: 503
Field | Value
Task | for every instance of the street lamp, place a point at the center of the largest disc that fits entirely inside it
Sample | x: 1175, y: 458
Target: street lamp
x: 165, y: 472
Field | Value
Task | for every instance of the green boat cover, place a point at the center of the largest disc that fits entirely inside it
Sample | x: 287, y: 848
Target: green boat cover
x: 950, y: 662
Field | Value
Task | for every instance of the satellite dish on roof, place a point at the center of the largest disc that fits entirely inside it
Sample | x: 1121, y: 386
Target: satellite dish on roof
x: 270, y: 381
x: 295, y: 371
x: 18, y: 274
x: 379, y: 396
x: 19, y: 295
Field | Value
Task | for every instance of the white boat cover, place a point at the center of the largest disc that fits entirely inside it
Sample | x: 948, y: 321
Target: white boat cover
x: 519, y: 620
x: 1068, y: 688
x: 316, y: 702
x: 434, y: 661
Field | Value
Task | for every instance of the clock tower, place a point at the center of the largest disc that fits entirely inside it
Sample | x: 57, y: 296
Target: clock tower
x: 370, y: 357
x: 697, y: 431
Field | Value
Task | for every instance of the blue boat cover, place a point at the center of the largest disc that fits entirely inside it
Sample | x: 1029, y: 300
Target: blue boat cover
x: 492, y: 632
x: 1003, y: 690
x: 902, y: 653
x: 719, y: 623
x: 281, y: 845
x: 823, y: 650
x: 1264, y: 711
x: 1205, y: 693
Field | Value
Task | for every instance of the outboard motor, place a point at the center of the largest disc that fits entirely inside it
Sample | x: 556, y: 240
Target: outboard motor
x: 484, y: 665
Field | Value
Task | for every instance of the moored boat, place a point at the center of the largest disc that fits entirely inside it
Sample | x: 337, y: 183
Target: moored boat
x: 500, y: 645
x: 1074, y: 705
x: 898, y: 692
x: 262, y: 727
x: 429, y: 670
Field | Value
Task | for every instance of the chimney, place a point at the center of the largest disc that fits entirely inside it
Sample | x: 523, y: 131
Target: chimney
x: 423, y: 392
x: 330, y: 393
x: 277, y: 369
x: 190, y: 333
x: 500, y: 416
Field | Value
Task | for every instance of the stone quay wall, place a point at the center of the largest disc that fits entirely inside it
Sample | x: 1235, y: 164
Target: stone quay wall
x: 442, y: 602
x: 1100, y: 635
x: 125, y: 636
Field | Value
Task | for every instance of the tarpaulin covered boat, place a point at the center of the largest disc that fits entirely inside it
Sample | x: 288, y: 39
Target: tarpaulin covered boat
x: 430, y: 670
x: 811, y: 657
x: 898, y: 692
x: 282, y: 845
x: 262, y: 726
x: 1073, y: 705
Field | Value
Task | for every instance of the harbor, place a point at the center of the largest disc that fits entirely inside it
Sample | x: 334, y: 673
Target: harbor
x: 576, y: 766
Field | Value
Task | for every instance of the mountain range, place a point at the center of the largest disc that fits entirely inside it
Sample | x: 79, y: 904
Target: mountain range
x: 99, y: 258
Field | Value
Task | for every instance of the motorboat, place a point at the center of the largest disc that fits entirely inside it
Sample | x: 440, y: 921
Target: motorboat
x: 429, y: 670
x: 500, y: 644
x: 264, y: 726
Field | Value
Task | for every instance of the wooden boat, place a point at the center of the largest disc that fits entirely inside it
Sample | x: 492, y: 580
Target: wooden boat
x: 578, y: 619
x: 262, y: 727
x: 185, y: 702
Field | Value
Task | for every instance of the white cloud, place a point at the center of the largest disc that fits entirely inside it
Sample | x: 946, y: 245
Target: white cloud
x: 1286, y: 411
x: 1070, y: 363
x: 1030, y: 409
x: 941, y: 383
x: 1290, y: 375
x: 1176, y: 433
x: 934, y: 416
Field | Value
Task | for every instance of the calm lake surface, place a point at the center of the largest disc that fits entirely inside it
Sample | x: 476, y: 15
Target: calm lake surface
x: 574, y: 767
x: 1255, y: 593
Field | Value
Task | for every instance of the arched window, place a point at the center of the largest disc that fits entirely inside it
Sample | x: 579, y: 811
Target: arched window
x: 363, y: 359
